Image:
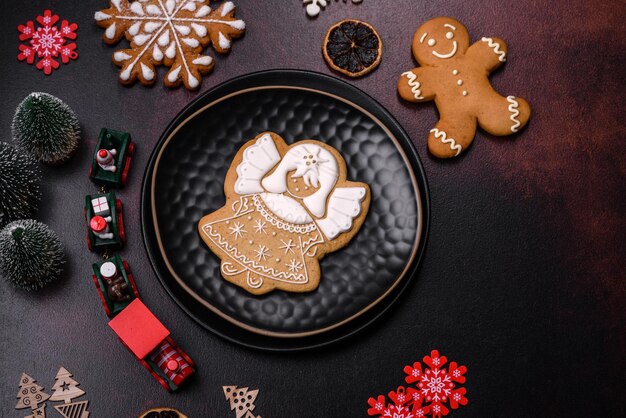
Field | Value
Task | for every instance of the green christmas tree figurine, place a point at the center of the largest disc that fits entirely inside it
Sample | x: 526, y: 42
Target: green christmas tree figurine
x: 47, y: 128
x: 31, y: 255
x: 19, y: 184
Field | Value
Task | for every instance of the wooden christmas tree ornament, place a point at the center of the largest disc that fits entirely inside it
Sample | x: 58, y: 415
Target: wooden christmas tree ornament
x: 241, y: 400
x: 39, y: 412
x: 66, y: 389
x: 73, y: 410
x: 30, y: 395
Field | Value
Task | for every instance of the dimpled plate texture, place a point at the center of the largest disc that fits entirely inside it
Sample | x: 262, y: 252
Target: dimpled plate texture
x: 188, y: 183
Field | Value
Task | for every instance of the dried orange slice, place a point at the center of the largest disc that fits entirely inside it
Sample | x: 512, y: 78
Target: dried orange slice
x: 162, y: 413
x: 352, y: 47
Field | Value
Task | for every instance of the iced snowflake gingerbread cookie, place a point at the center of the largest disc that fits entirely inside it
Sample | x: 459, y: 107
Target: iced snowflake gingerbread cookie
x: 286, y: 207
x: 172, y: 33
x: 455, y: 75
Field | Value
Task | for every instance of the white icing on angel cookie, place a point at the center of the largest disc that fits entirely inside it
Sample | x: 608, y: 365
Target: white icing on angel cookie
x: 318, y: 169
x: 258, y: 160
x: 316, y: 166
x: 343, y: 206
x: 287, y: 207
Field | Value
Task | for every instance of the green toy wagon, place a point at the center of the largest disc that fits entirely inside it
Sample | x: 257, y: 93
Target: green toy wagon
x: 105, y: 222
x: 112, y: 159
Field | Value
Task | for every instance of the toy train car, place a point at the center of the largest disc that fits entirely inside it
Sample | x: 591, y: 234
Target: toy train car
x: 105, y: 222
x: 146, y: 337
x: 111, y: 162
x: 115, y: 284
x: 138, y: 329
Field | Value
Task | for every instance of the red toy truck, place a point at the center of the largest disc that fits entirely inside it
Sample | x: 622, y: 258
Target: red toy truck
x: 138, y: 329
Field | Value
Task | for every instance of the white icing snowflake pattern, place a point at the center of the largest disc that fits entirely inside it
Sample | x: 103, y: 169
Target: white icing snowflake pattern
x: 237, y: 230
x: 314, y: 7
x: 294, y: 266
x: 263, y: 253
x: 171, y: 33
x: 259, y: 226
x: 287, y: 246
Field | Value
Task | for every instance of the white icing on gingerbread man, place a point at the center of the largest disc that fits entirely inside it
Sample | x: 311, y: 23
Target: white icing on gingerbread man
x: 455, y: 75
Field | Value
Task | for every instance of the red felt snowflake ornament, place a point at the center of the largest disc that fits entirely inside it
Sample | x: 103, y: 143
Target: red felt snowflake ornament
x: 405, y: 403
x: 47, y: 42
x: 435, y: 394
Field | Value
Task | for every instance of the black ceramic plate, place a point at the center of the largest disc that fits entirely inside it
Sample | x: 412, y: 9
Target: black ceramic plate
x: 184, y: 181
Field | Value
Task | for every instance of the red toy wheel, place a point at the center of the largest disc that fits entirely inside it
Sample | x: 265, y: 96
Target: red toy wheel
x: 120, y: 220
x: 88, y: 237
x: 104, y: 303
x: 106, y: 309
x: 127, y: 160
x: 162, y: 382
x: 146, y: 365
x: 181, y: 352
x: 125, y: 170
x: 158, y: 378
x: 187, y: 358
x: 131, y: 279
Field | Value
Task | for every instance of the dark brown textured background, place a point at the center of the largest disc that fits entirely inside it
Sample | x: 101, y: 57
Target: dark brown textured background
x: 523, y: 278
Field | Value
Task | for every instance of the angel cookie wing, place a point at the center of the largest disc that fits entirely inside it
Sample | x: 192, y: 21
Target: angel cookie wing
x: 257, y: 160
x: 344, y: 205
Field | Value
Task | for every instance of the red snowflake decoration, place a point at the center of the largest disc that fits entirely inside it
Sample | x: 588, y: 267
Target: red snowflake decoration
x: 47, y: 42
x: 405, y: 403
x: 434, y: 395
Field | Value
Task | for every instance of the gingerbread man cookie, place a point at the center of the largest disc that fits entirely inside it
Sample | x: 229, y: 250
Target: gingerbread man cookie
x: 455, y: 75
x: 286, y: 207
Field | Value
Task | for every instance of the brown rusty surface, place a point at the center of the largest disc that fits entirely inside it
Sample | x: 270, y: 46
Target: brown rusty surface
x: 523, y: 277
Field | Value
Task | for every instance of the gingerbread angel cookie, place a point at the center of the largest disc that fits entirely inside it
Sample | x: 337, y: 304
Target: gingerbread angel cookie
x: 286, y: 207
x: 455, y: 75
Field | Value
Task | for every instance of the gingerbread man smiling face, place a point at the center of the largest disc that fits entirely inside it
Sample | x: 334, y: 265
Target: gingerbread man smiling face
x: 440, y: 40
x: 455, y: 75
